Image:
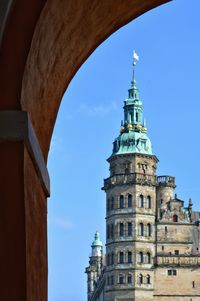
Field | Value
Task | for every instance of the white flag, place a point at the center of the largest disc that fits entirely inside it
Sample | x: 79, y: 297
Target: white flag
x: 135, y: 56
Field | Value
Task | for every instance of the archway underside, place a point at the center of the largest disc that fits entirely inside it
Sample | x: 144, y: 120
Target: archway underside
x: 43, y: 45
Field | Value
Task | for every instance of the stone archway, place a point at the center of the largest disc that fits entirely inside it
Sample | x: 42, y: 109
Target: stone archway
x: 43, y: 44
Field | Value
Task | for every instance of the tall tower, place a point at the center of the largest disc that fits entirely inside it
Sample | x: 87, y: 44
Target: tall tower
x: 131, y: 207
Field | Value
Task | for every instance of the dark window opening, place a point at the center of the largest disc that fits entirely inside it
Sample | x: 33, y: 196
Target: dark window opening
x: 129, y: 200
x: 175, y: 218
x: 148, y: 257
x: 112, y: 204
x: 141, y: 201
x: 163, y: 248
x: 141, y: 229
x: 121, y: 202
x: 112, y: 280
x: 121, y: 257
x: 111, y: 231
x: 141, y: 259
x: 129, y: 257
x: 121, y: 229
x: 148, y: 279
x: 112, y: 258
x: 176, y: 252
x: 129, y: 229
x: 148, y: 230
x: 193, y: 284
x: 129, y: 279
x: 108, y: 231
x: 121, y: 279
x: 140, y: 278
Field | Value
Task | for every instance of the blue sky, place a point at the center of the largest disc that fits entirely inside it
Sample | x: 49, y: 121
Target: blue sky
x: 167, y: 41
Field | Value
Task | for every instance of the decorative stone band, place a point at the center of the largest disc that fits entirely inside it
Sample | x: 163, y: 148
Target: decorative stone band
x: 180, y: 260
x: 17, y: 126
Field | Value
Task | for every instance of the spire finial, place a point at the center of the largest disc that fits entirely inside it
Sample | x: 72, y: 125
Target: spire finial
x: 135, y: 60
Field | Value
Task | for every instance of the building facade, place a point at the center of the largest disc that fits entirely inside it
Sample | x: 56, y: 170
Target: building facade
x: 152, y: 239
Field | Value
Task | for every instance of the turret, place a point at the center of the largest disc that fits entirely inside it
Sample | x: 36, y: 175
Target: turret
x: 94, y: 269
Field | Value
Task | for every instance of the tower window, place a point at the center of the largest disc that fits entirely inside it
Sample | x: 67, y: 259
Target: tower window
x: 121, y: 202
x: 121, y: 279
x: 141, y: 201
x: 148, y: 258
x: 193, y: 284
x: 121, y: 257
x: 141, y: 229
x: 166, y: 230
x: 175, y: 218
x: 148, y: 202
x: 129, y: 200
x: 108, y: 280
x: 148, y: 230
x: 121, y: 229
x: 172, y: 272
x: 140, y: 279
x: 176, y: 252
x: 163, y: 248
x: 137, y: 117
x: 112, y: 258
x: 111, y: 230
x: 129, y: 257
x: 112, y: 280
x: 108, y: 232
x: 140, y: 257
x: 108, y: 259
x: 112, y: 203
x: 129, y: 278
x: 126, y: 171
x: 129, y: 229
x: 148, y: 279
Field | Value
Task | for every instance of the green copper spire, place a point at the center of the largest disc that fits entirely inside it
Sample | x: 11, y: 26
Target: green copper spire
x: 133, y: 133
x: 97, y: 242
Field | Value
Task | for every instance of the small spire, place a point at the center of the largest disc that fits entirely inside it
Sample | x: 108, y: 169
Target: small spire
x: 135, y: 60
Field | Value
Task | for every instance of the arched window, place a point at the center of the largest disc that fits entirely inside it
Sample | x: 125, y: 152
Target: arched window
x: 175, y: 218
x: 129, y: 200
x: 108, y: 259
x: 121, y: 278
x: 121, y: 257
x: 141, y: 201
x: 140, y: 279
x: 148, y: 202
x: 108, y: 231
x: 121, y: 201
x: 129, y: 257
x: 136, y: 116
x: 129, y: 229
x: 121, y: 229
x: 148, y: 279
x: 111, y: 231
x: 140, y: 257
x: 127, y: 171
x: 112, y: 258
x: 129, y: 279
x: 141, y: 229
x: 148, y: 230
x: 148, y: 258
x: 112, y: 203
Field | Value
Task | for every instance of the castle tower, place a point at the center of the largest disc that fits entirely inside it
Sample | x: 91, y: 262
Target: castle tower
x: 94, y: 269
x: 152, y: 239
x: 131, y: 207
